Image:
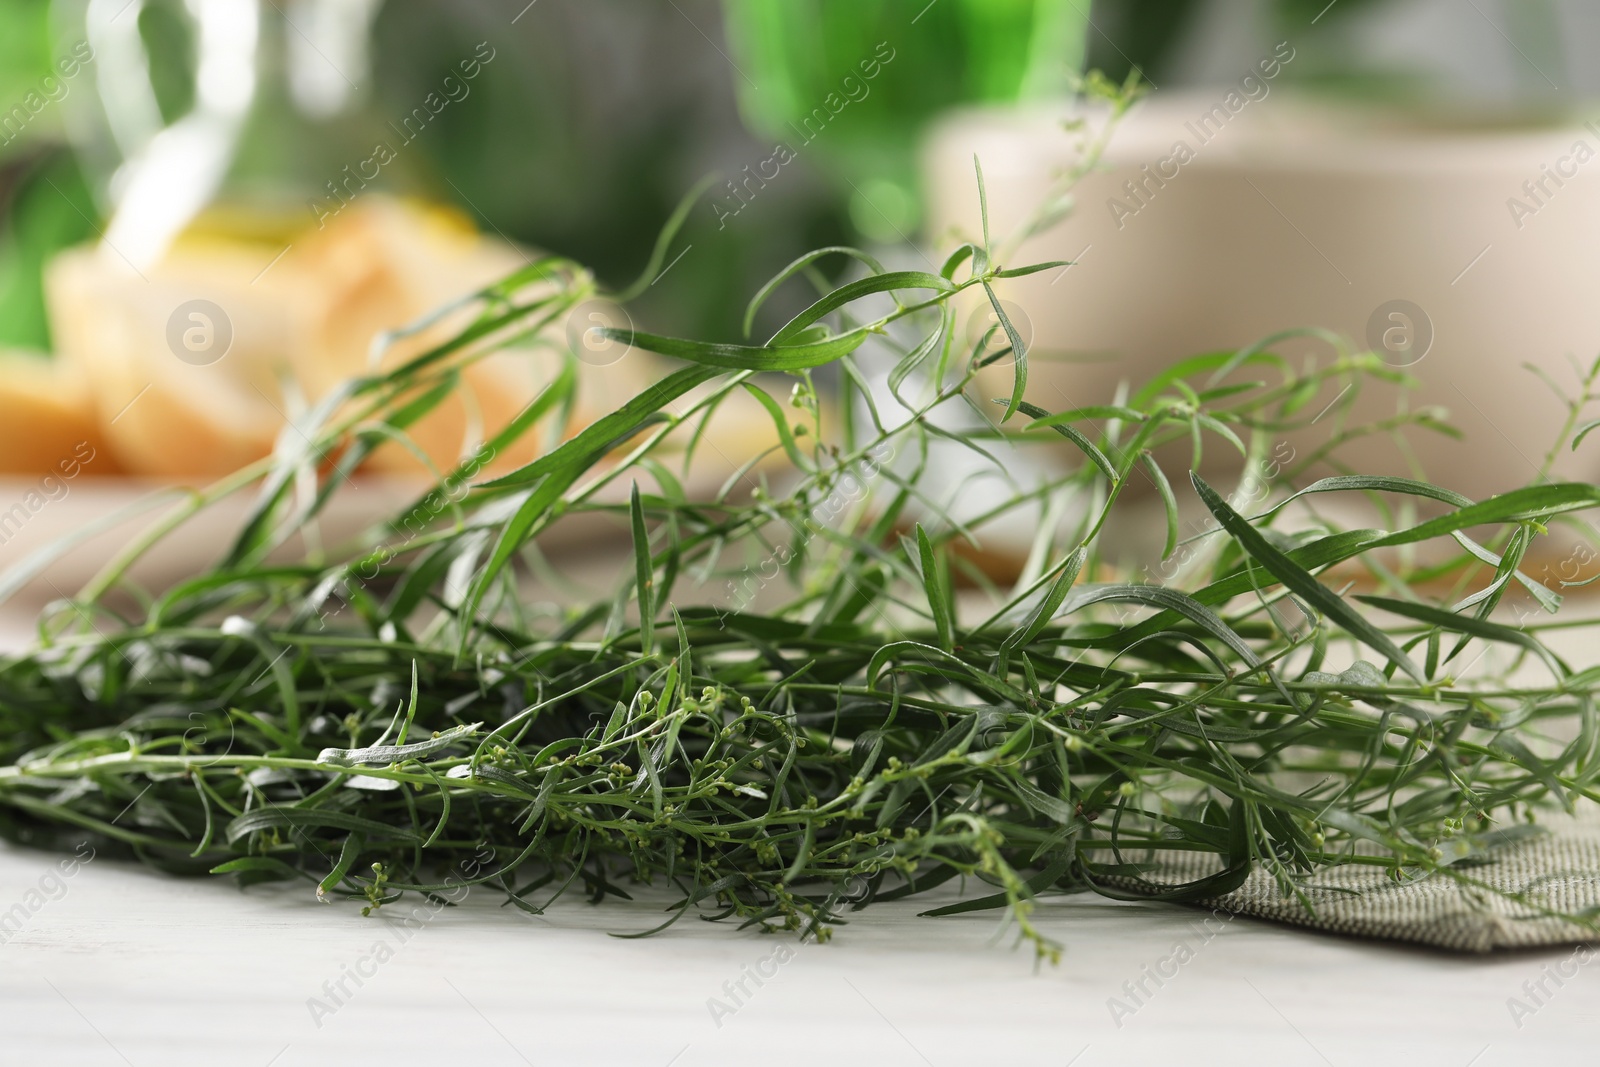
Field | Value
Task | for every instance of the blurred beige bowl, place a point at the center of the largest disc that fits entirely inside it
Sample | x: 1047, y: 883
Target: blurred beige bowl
x: 1290, y: 214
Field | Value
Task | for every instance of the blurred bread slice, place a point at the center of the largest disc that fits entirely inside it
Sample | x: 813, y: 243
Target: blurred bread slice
x: 383, y: 263
x: 303, y: 308
x: 47, y: 419
x: 300, y: 310
x: 166, y: 414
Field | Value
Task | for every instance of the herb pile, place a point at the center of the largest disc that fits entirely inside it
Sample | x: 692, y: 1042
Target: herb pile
x: 859, y: 731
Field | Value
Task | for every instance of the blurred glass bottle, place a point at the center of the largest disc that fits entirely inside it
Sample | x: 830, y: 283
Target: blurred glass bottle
x: 857, y: 81
x: 248, y: 264
x: 233, y: 110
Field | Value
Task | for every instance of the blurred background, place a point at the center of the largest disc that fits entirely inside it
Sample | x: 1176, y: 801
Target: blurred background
x: 318, y: 170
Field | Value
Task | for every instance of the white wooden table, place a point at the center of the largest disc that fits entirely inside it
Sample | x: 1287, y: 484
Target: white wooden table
x: 129, y: 967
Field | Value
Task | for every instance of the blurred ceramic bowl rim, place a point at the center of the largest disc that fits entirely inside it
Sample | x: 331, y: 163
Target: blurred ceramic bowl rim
x: 1304, y: 213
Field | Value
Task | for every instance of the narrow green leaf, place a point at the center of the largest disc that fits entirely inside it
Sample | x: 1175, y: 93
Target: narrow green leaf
x: 1297, y: 580
x: 1582, y: 432
x: 1246, y: 355
x: 1548, y: 600
x: 1159, y: 596
x: 1536, y: 503
x: 644, y: 570
x: 1019, y: 354
x: 956, y: 258
x: 933, y: 584
x: 384, y: 755
x: 983, y: 209
x: 1345, y: 483
x: 1046, y: 609
x: 1035, y: 884
x: 766, y: 291
x: 1169, y: 501
x: 602, y: 435
x: 348, y: 854
x: 920, y: 352
x: 1466, y: 625
x: 1087, y: 447
x: 780, y: 422
x: 302, y: 818
x: 874, y: 283
x: 658, y: 254
x: 745, y: 357
x: 1092, y: 411
x: 1033, y: 268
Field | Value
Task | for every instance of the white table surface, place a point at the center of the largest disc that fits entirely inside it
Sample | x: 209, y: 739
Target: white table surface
x: 131, y: 967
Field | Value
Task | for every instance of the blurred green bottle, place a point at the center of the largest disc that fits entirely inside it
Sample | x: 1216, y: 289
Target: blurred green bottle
x: 853, y: 84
